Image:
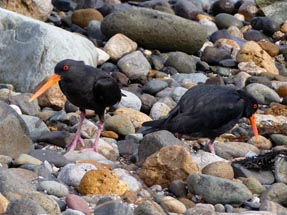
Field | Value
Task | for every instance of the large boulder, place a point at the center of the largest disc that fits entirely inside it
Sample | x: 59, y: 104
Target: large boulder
x: 30, y: 49
x: 156, y: 30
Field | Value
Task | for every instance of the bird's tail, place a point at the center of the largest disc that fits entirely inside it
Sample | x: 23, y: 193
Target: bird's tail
x: 152, y: 126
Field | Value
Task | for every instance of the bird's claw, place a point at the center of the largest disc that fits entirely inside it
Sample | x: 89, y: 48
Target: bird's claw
x: 73, y: 144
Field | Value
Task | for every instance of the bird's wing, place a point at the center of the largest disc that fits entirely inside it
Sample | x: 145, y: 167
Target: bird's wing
x: 210, y: 113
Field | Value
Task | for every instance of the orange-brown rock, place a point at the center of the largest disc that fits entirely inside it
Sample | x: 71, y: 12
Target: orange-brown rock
x: 53, y: 97
x: 136, y: 117
x: 110, y: 134
x: 251, y: 51
x: 169, y: 164
x: 282, y: 91
x: 82, y: 17
x: 101, y: 182
x: 220, y: 169
x: 269, y: 47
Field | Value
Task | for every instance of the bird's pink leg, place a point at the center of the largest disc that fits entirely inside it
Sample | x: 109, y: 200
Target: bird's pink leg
x: 211, y: 146
x: 100, y: 129
x: 77, y: 137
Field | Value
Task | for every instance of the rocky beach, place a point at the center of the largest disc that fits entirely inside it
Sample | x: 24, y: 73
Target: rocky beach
x: 156, y: 50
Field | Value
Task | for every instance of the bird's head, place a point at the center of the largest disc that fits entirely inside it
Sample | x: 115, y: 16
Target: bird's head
x: 61, y: 70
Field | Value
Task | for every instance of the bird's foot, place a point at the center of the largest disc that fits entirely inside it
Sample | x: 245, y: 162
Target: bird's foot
x: 211, y: 147
x: 73, y: 144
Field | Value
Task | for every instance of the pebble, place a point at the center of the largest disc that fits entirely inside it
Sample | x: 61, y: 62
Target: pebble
x: 173, y: 205
x: 26, y: 159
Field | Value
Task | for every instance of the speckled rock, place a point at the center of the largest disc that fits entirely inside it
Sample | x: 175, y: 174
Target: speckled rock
x: 169, y: 164
x: 101, y: 182
x: 251, y: 51
x: 220, y: 169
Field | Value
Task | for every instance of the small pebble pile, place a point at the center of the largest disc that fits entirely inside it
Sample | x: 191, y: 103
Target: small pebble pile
x: 156, y: 50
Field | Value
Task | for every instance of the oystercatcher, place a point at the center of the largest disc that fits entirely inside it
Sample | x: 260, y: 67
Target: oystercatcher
x: 86, y: 87
x: 207, y: 111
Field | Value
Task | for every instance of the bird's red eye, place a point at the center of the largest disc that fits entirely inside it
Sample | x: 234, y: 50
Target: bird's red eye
x: 255, y: 106
x: 65, y: 68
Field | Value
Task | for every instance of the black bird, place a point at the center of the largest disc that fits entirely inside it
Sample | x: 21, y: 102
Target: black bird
x: 207, y: 111
x: 86, y: 87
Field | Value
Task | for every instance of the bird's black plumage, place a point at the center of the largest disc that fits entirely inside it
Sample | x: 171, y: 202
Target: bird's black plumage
x: 206, y: 111
x: 87, y: 87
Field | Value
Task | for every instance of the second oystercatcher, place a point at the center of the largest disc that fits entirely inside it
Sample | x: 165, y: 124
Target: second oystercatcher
x: 207, y: 111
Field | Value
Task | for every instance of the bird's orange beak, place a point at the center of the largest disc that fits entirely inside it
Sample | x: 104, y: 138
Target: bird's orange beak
x: 254, y: 127
x: 53, y: 80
